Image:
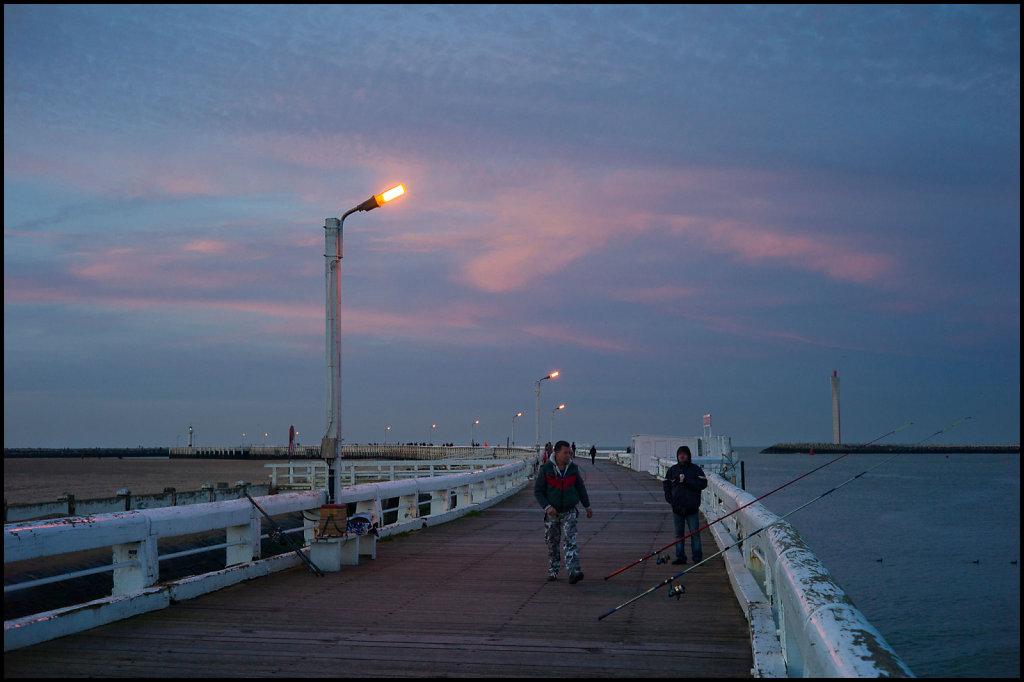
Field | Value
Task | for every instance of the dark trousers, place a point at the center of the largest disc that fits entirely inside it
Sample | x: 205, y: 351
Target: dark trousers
x: 693, y: 521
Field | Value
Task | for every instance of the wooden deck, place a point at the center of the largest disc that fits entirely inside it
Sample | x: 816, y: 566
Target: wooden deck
x: 469, y: 598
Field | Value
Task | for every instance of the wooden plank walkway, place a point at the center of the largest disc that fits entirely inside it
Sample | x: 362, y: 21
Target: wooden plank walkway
x: 469, y: 598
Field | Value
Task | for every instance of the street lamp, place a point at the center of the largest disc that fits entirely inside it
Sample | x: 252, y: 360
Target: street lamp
x: 472, y: 440
x: 560, y: 407
x: 331, y: 444
x: 537, y: 411
x: 386, y: 429
x: 517, y: 414
x: 430, y: 436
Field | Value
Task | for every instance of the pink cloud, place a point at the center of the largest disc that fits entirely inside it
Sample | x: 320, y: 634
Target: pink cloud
x: 824, y: 254
x: 663, y: 294
x: 208, y: 246
x: 566, y: 336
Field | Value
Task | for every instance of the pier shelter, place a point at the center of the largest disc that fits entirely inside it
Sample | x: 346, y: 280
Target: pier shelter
x: 466, y: 598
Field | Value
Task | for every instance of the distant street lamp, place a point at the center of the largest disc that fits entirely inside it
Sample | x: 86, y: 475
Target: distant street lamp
x: 430, y: 435
x: 472, y: 440
x: 386, y: 429
x: 517, y: 414
x: 331, y: 444
x: 537, y: 411
x: 560, y: 407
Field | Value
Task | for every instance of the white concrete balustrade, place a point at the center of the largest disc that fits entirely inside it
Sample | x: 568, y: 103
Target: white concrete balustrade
x: 133, y: 539
x: 802, y: 623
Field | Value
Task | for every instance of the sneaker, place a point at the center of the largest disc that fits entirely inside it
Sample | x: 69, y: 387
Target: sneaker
x: 575, y: 578
x: 681, y: 560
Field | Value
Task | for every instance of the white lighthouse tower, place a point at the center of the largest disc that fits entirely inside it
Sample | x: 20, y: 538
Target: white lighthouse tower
x: 835, y: 408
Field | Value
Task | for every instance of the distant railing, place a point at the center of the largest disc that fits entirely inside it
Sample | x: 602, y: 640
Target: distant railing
x: 352, y: 451
x: 313, y: 475
x: 125, y: 500
x: 133, y: 537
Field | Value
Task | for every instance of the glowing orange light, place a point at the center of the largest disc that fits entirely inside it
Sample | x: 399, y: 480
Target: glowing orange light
x: 553, y: 375
x: 387, y: 196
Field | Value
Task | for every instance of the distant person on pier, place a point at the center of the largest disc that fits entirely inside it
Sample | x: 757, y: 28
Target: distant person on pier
x: 683, y: 482
x: 574, y: 448
x: 593, y: 454
x: 558, y: 489
x: 547, y: 453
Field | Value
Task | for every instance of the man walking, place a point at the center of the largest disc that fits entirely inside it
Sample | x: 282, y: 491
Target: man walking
x: 683, y: 482
x: 558, y: 489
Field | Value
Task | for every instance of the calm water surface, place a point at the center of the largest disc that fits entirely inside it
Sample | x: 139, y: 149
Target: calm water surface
x: 923, y: 546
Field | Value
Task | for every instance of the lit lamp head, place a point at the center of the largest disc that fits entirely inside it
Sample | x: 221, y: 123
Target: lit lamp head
x: 378, y: 200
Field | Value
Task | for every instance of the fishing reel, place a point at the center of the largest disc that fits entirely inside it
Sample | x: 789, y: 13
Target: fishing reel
x: 661, y: 560
x: 677, y: 592
x: 278, y: 536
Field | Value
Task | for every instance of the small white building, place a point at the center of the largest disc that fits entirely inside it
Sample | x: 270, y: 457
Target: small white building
x: 648, y: 449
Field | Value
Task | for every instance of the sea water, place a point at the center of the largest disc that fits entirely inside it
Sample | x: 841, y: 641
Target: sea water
x: 926, y: 545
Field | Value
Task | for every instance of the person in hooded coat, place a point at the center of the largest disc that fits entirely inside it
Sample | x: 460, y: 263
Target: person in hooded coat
x: 683, y: 482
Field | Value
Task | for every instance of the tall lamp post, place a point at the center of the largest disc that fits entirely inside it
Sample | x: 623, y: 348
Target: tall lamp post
x: 552, y: 436
x: 517, y: 414
x: 331, y: 444
x: 430, y: 436
x: 472, y: 440
x: 537, y: 411
x: 386, y: 429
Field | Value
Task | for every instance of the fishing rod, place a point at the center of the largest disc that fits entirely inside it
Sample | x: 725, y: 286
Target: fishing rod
x: 680, y: 590
x: 711, y: 523
x: 279, y: 535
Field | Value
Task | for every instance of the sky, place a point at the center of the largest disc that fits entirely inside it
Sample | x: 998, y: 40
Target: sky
x: 684, y: 210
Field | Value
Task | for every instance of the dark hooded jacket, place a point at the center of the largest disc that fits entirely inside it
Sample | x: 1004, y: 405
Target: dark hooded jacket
x: 684, y: 497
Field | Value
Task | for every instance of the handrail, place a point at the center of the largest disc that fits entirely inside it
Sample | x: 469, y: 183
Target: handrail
x: 133, y: 537
x: 789, y: 597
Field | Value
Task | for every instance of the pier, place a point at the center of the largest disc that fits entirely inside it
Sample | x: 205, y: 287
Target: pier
x: 466, y: 598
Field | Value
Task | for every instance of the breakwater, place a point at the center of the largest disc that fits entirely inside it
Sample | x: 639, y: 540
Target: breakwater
x: 83, y: 453
x: 279, y: 452
x: 883, y: 448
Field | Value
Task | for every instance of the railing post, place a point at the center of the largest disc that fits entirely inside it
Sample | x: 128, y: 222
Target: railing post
x: 132, y: 579
x: 248, y: 533
x: 463, y: 496
x: 440, y: 501
x: 408, y: 507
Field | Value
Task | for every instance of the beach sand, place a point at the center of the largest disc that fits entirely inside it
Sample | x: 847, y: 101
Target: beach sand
x: 29, y: 479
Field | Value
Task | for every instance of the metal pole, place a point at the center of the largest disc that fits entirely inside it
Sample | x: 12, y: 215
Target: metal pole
x: 331, y: 444
x: 537, y: 412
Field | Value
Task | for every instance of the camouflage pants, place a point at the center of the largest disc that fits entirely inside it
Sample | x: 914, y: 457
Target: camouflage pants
x: 561, y: 530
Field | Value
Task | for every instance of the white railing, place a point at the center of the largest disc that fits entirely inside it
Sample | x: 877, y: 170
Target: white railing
x: 802, y: 623
x: 311, y: 475
x: 302, y: 475
x: 133, y: 537
x: 124, y: 500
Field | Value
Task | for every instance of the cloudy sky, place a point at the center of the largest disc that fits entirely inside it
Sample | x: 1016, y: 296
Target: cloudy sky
x: 683, y: 210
